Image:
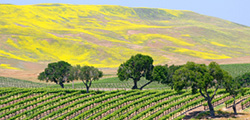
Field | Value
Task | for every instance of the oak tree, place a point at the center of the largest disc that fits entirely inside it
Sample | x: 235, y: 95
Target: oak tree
x: 87, y: 74
x: 201, y: 78
x: 135, y: 68
x: 57, y: 72
x: 235, y: 86
x: 170, y: 73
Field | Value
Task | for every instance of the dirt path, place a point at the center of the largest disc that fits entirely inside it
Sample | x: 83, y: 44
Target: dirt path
x: 242, y: 114
x: 193, y: 112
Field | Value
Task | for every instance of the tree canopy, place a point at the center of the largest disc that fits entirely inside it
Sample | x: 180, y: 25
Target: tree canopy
x: 201, y: 78
x: 159, y: 73
x: 136, y: 67
x: 57, y: 72
x: 170, y: 72
x: 234, y: 86
x: 87, y: 74
x: 244, y: 80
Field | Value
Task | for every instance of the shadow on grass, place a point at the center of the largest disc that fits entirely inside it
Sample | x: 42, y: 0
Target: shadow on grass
x: 206, y: 115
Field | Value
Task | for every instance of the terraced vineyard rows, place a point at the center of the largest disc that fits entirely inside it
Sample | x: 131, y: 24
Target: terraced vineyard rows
x: 63, y: 104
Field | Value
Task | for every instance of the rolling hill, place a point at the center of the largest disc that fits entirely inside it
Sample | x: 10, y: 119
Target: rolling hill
x: 105, y: 36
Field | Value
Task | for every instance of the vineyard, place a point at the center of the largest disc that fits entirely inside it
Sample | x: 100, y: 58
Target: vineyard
x: 103, y: 84
x: 25, y: 100
x: 64, y: 104
x: 236, y: 69
x: 12, y: 82
x: 114, y: 83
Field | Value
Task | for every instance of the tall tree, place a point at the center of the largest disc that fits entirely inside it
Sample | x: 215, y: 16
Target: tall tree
x: 87, y: 74
x: 201, y: 78
x: 136, y: 67
x: 57, y: 72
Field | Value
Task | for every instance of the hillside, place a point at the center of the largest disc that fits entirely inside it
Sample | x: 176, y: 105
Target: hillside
x: 105, y: 36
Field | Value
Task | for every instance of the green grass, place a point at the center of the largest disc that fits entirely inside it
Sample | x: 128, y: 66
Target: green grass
x: 247, y: 109
x: 219, y: 107
x: 206, y: 114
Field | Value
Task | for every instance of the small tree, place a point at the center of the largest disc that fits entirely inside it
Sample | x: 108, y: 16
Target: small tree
x: 87, y: 74
x: 136, y: 67
x: 201, y: 78
x: 57, y: 72
x: 234, y: 88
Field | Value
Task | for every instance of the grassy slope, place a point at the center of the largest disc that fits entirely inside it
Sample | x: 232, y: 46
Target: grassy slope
x: 105, y: 36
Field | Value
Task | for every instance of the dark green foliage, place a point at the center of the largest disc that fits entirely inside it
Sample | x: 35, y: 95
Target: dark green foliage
x: 232, y: 86
x: 87, y: 74
x: 57, y: 72
x: 182, y: 78
x: 160, y: 73
x: 170, y: 72
x: 201, y: 78
x: 235, y: 86
x: 244, y: 80
x: 136, y: 67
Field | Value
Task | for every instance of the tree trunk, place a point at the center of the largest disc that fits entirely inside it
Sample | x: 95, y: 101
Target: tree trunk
x: 87, y: 87
x: 145, y: 85
x: 209, y: 101
x: 73, y: 84
x: 211, y: 108
x: 61, y: 84
x: 172, y: 86
x: 135, y: 85
x: 234, y: 107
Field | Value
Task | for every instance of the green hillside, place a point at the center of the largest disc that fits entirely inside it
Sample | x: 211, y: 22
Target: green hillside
x: 105, y: 36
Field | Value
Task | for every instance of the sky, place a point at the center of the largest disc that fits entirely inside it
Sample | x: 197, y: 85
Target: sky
x: 237, y: 11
